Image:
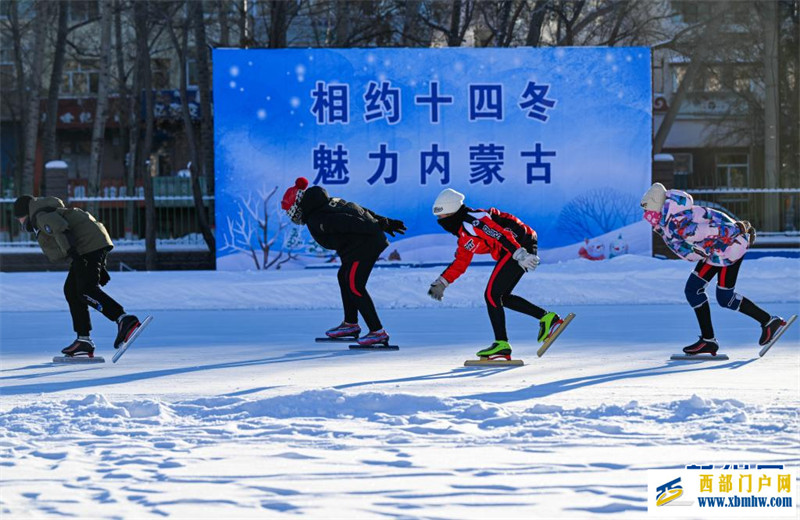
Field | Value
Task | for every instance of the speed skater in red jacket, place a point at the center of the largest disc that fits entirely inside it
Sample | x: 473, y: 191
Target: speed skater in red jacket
x: 512, y: 243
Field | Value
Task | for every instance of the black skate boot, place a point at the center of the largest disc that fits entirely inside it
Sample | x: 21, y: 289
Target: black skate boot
x: 768, y: 331
x: 82, y: 346
x: 702, y: 346
x: 126, y: 325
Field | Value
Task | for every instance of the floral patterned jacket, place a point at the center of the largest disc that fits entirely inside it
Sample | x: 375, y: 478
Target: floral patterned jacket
x: 698, y: 233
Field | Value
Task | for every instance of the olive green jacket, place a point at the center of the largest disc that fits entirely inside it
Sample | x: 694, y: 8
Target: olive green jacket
x: 59, y: 229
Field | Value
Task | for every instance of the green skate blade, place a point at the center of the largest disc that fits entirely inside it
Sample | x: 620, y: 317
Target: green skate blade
x: 493, y: 363
x: 78, y: 360
x: 555, y: 335
x: 698, y: 357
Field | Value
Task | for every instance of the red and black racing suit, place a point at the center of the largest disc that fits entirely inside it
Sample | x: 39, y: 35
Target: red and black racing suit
x: 492, y: 231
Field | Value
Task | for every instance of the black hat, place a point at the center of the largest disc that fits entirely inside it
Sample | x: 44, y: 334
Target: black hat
x: 21, y: 206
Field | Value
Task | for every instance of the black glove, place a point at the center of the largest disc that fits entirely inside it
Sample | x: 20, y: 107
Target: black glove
x: 104, y: 276
x: 392, y: 226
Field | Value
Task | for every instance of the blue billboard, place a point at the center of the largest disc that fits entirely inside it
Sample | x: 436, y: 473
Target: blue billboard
x: 560, y: 137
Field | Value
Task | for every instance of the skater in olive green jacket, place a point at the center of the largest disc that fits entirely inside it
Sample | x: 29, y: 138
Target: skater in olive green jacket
x: 74, y: 235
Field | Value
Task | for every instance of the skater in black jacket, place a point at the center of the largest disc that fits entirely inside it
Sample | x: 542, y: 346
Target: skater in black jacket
x: 357, y: 236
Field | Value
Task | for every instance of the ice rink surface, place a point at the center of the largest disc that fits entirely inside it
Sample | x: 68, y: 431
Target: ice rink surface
x: 238, y: 413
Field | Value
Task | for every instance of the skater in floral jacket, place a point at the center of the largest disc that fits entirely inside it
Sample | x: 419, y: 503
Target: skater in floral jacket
x: 718, y: 244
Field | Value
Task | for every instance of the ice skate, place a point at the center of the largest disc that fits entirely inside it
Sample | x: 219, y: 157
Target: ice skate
x: 80, y: 351
x: 702, y: 349
x: 134, y: 332
x: 550, y: 328
x: 772, y: 331
x: 497, y: 354
x: 79, y: 347
x: 126, y: 326
x: 375, y: 340
x: 342, y: 332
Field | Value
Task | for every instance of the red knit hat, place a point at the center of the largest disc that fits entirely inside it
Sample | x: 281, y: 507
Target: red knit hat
x: 290, y: 197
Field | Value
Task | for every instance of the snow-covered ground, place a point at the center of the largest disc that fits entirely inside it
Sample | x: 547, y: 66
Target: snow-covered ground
x: 226, y: 408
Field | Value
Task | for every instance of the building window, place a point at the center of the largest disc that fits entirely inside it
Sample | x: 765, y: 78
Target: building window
x: 80, y: 78
x: 160, y: 67
x: 733, y: 170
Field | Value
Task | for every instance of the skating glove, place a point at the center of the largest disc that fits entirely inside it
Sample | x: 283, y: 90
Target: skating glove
x: 392, y: 226
x: 526, y: 260
x: 437, y: 288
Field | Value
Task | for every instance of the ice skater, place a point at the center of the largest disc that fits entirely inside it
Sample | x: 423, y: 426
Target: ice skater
x: 357, y: 235
x: 74, y: 235
x: 512, y: 243
x: 718, y: 244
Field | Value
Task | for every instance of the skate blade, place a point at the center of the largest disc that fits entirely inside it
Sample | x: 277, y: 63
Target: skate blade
x: 374, y: 347
x: 777, y: 336
x: 130, y: 341
x: 549, y: 341
x: 78, y: 360
x: 485, y: 362
x: 698, y: 357
x: 343, y: 339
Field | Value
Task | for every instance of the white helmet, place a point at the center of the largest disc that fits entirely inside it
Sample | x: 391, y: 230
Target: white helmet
x: 654, y: 198
x: 448, y: 201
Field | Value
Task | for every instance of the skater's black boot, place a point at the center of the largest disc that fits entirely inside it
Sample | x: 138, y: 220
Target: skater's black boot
x: 126, y: 326
x: 702, y: 346
x: 82, y: 346
x: 768, y: 331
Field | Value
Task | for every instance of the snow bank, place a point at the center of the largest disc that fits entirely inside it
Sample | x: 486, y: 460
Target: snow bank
x: 626, y: 279
x: 700, y: 419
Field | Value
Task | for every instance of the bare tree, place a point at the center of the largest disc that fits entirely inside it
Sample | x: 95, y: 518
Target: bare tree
x: 144, y: 80
x: 597, y: 212
x: 101, y: 110
x: 33, y: 82
x: 204, y: 90
x: 452, y: 19
x: 182, y: 50
x: 49, y: 127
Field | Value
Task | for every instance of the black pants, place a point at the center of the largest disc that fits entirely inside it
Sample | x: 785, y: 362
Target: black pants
x: 726, y: 295
x: 353, y: 278
x: 82, y: 290
x: 507, y: 273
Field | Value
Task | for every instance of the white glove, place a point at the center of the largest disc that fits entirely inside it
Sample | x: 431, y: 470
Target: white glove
x: 527, y: 261
x: 437, y: 288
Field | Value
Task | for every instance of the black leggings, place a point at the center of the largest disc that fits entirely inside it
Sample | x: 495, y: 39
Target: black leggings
x: 82, y: 290
x: 507, y: 273
x: 726, y: 294
x: 353, y: 278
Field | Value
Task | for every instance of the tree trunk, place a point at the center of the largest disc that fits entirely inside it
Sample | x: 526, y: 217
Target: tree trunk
x: 453, y: 39
x: 278, y: 23
x: 21, y: 96
x: 49, y: 132
x: 128, y: 124
x: 195, y: 168
x: 140, y: 9
x: 224, y: 29
x: 772, y: 131
x: 535, y: 25
x: 204, y: 89
x: 31, y: 121
x: 101, y: 110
